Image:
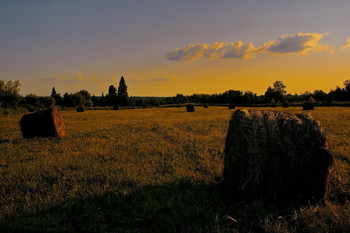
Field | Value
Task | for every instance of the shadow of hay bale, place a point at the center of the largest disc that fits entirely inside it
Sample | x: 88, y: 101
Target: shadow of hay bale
x: 276, y: 157
x: 46, y: 123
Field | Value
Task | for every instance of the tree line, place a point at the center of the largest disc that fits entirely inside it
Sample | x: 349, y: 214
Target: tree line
x: 274, y: 95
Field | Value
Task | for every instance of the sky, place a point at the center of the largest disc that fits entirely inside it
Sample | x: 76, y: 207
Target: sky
x: 166, y: 47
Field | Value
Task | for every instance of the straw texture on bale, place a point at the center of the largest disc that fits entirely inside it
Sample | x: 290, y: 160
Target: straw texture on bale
x: 80, y: 109
x: 276, y: 157
x: 232, y: 106
x: 190, y: 108
x: 46, y: 123
x: 308, y: 106
x: 116, y: 107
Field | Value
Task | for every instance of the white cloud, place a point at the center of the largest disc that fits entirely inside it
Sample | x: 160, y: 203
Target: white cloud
x: 301, y: 43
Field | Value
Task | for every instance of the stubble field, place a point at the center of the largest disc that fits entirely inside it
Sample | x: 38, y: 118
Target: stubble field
x: 150, y: 170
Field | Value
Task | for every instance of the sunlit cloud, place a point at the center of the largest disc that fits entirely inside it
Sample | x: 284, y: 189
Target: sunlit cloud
x: 301, y: 43
x: 346, y: 44
x: 77, y: 78
x: 188, y: 53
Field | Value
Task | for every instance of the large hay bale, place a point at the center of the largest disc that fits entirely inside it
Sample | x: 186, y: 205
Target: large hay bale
x: 276, y: 157
x: 46, y: 123
x: 80, y: 109
x: 190, y: 108
x: 308, y: 106
x: 232, y: 106
x: 116, y: 107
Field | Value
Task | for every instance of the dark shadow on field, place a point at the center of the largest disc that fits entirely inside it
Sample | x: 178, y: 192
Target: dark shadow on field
x: 176, y: 207
x: 4, y: 141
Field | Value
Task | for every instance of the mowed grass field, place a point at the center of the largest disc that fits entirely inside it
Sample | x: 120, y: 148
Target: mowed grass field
x: 150, y: 170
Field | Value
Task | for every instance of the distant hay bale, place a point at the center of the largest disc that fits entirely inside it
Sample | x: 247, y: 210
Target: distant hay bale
x: 205, y: 105
x: 190, y: 108
x: 116, y: 107
x: 285, y: 105
x: 46, y: 123
x: 80, y: 109
x: 232, y: 106
x: 276, y: 157
x: 308, y: 106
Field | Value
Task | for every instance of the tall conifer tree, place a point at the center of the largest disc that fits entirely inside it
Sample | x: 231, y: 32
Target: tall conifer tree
x: 123, y: 88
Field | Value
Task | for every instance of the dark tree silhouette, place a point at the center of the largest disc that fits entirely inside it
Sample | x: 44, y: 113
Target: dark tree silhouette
x: 123, y: 97
x: 123, y: 88
x: 53, y: 92
x: 58, y: 98
x: 279, y: 86
x: 112, y: 90
x: 276, y: 92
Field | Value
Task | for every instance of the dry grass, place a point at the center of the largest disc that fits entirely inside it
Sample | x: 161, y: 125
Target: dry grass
x: 125, y: 153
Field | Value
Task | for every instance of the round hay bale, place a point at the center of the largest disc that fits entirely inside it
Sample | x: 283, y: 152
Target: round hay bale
x: 285, y: 105
x: 190, y: 108
x: 45, y: 123
x: 232, y: 106
x: 276, y: 157
x: 116, y: 107
x: 205, y: 105
x: 308, y: 106
x: 80, y: 109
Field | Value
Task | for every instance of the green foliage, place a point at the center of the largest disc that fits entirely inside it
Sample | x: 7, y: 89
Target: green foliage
x: 32, y: 99
x: 81, y: 98
x: 47, y: 101
x: 9, y: 94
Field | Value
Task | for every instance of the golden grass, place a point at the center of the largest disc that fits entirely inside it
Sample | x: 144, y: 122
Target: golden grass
x: 122, y: 151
